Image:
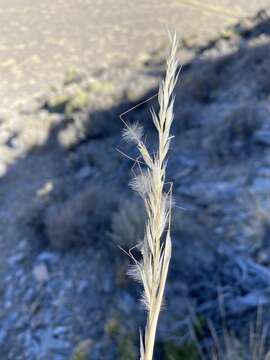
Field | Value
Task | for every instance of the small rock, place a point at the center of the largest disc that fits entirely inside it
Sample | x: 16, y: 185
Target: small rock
x: 46, y: 189
x: 16, y: 259
x: 13, y: 318
x: 264, y: 171
x: 83, y: 285
x: 29, y: 295
x: 262, y: 137
x: 22, y: 322
x: 48, y: 257
x: 19, y: 273
x: 3, y: 335
x: 50, y: 343
x: 59, y: 330
x: 84, y: 172
x: 9, y: 292
x: 22, y: 245
x: 261, y: 185
x: 7, y: 304
x: 41, y: 273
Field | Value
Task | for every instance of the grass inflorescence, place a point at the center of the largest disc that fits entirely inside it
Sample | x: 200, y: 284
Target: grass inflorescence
x: 155, y: 247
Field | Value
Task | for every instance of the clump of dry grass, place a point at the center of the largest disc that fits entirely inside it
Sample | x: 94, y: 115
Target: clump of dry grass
x: 231, y: 347
x: 155, y: 248
x: 221, y: 342
x: 128, y: 223
x: 234, y: 138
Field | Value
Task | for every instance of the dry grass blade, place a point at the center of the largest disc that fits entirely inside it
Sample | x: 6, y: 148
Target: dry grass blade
x: 152, y: 270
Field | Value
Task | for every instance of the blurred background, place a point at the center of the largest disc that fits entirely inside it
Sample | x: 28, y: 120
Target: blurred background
x: 68, y: 69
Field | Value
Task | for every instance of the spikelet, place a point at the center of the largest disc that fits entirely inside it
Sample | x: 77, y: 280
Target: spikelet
x: 142, y: 183
x: 133, y: 133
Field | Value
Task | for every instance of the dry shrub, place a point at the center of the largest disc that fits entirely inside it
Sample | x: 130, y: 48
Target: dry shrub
x: 234, y: 137
x: 254, y: 345
x: 186, y: 119
x: 128, y: 223
x: 263, y: 77
x: 82, y: 350
x: 79, y: 220
x: 68, y: 100
x: 200, y: 85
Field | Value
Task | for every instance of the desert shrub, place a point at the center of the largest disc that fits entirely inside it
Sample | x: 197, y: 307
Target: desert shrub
x: 249, y: 28
x: 185, y: 119
x: 112, y: 327
x: 205, y: 342
x: 72, y: 75
x: 263, y: 78
x: 31, y: 219
x: 200, y: 85
x: 221, y: 338
x: 74, y: 131
x: 57, y: 103
x: 78, y: 101
x: 32, y: 133
x: 81, y: 352
x: 222, y: 64
x: 187, y: 351
x: 68, y: 100
x: 80, y: 219
x: 251, y: 347
x: 234, y: 137
x: 95, y: 154
x: 126, y: 349
x: 250, y: 58
x: 128, y: 223
x: 100, y: 86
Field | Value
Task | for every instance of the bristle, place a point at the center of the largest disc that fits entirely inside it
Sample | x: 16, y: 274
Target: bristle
x: 134, y: 273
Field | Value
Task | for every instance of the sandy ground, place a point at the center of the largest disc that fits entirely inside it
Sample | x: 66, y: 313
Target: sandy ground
x: 40, y: 40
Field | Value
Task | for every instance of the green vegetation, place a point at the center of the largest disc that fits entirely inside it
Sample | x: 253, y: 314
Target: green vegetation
x: 113, y: 327
x: 71, y: 75
x: 100, y: 86
x: 69, y: 103
x: 78, y: 101
x: 58, y: 103
x: 187, y: 351
x: 126, y: 348
x: 81, y: 352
